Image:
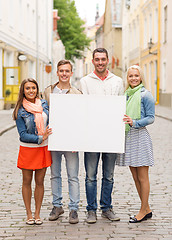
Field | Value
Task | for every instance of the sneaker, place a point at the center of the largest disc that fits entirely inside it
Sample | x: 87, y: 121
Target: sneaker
x: 73, y: 217
x: 110, y: 215
x: 91, y: 217
x: 55, y: 213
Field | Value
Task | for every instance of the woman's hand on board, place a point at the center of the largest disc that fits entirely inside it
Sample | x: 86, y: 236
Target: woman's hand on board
x: 128, y: 120
x: 48, y: 131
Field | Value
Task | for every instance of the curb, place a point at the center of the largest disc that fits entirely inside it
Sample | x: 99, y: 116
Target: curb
x: 166, y: 118
x: 7, y: 129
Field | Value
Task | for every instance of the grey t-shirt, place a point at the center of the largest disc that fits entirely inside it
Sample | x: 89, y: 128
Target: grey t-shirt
x: 60, y: 91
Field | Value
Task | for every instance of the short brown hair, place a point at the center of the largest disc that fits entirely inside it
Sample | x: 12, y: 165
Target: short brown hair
x: 100, y: 50
x: 64, y: 62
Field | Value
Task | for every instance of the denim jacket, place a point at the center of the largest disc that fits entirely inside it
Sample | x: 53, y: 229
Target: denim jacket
x: 147, y: 110
x: 26, y: 125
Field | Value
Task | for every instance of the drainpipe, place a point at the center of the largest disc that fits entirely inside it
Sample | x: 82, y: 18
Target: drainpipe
x: 37, y: 44
x: 159, y: 44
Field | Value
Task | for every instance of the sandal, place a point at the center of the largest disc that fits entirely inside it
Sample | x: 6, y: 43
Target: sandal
x: 38, y: 221
x: 30, y: 221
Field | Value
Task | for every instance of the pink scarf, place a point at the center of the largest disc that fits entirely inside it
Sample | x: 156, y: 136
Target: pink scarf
x: 36, y: 109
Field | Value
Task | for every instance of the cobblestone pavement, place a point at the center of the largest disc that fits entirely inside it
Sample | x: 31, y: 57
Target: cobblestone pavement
x: 125, y: 199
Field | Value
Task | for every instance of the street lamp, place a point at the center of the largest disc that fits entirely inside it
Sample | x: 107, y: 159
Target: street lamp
x: 150, y: 44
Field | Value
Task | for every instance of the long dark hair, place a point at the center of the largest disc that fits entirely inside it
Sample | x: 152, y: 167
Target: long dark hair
x: 22, y: 95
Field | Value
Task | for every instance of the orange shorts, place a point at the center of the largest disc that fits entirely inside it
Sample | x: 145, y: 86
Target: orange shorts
x: 34, y: 158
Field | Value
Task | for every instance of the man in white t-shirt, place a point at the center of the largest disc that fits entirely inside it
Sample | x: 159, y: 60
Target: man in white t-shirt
x: 100, y: 82
x: 64, y: 73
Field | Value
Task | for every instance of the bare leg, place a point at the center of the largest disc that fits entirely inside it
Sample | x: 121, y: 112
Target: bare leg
x: 136, y: 180
x: 27, y: 191
x: 39, y: 190
x: 141, y: 179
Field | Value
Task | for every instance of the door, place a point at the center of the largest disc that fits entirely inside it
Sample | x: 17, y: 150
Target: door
x: 11, y: 84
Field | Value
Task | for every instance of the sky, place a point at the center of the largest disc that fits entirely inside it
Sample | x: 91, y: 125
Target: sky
x: 87, y: 9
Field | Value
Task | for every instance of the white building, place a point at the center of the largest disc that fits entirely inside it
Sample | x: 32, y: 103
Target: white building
x: 25, y: 45
x: 166, y: 50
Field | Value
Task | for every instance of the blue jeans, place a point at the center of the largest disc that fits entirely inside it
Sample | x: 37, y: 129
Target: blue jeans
x: 72, y: 167
x: 91, y: 165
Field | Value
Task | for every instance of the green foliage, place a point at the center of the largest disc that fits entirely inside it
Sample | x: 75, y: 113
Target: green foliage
x: 70, y: 29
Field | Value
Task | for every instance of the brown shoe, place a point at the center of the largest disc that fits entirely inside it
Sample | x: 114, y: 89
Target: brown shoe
x: 91, y: 217
x: 55, y: 213
x: 73, y: 217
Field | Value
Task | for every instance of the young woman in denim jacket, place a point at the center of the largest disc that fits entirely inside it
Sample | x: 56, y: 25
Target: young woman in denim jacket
x: 31, y: 115
x: 140, y: 112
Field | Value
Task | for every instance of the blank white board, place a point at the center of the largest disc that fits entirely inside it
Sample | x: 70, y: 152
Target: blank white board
x: 88, y: 123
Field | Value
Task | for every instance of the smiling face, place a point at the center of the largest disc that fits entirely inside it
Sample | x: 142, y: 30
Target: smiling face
x: 100, y: 62
x: 64, y: 73
x: 134, y: 78
x: 30, y: 91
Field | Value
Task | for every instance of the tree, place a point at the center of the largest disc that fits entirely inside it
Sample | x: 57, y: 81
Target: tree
x: 70, y: 29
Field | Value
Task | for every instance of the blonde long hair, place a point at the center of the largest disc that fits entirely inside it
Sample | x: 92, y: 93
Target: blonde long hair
x: 141, y: 75
x: 22, y: 95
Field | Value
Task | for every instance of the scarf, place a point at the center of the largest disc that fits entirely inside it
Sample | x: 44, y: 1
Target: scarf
x: 36, y: 109
x: 133, y: 106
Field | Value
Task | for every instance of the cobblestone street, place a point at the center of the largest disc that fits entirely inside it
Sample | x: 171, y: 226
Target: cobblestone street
x: 125, y: 198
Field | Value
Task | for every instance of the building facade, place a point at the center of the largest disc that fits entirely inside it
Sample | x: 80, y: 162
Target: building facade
x: 141, y: 40
x: 112, y: 35
x: 165, y: 95
x: 25, y: 45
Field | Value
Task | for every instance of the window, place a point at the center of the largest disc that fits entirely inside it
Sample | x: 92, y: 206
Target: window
x: 1, y: 10
x: 145, y: 71
x: 165, y: 24
x: 156, y: 26
x: 33, y: 26
x: 11, y: 17
x: 145, y: 33
x: 164, y: 77
x: 32, y: 69
x: 21, y: 17
x: 150, y: 76
x: 155, y: 79
x: 150, y: 26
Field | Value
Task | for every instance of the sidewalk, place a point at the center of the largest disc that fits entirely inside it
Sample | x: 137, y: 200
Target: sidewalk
x: 7, y: 123
x: 125, y: 199
x: 163, y: 112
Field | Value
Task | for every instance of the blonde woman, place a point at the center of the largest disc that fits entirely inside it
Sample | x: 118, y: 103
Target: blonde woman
x: 140, y: 112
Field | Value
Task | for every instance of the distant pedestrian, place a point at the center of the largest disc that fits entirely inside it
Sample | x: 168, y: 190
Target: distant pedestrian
x: 100, y: 82
x: 63, y: 86
x: 31, y: 115
x: 140, y: 112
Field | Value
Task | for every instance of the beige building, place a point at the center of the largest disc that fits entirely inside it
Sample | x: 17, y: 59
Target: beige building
x: 99, y: 33
x: 25, y: 45
x: 141, y: 40
x: 91, y: 33
x: 112, y: 36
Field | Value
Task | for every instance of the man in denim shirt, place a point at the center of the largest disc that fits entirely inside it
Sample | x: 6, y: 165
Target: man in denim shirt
x: 64, y: 72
